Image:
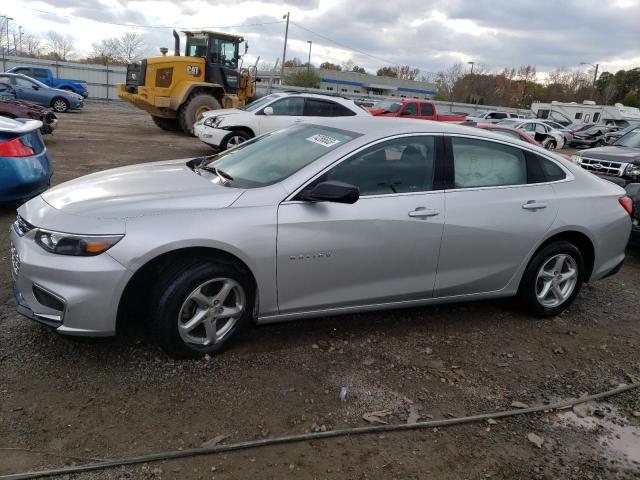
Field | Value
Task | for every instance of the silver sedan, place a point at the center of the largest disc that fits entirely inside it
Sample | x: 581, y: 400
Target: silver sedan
x: 346, y: 216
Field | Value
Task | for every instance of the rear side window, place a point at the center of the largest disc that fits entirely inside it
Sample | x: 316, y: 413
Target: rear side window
x: 323, y: 108
x: 427, y: 109
x: 480, y: 163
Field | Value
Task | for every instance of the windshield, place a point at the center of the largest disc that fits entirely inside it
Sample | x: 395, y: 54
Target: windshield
x: 631, y: 139
x: 593, y: 130
x: 391, y: 107
x: 256, y: 104
x: 273, y: 157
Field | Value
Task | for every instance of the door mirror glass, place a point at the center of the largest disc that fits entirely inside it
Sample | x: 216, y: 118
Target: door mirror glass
x: 331, y: 191
x: 35, y: 87
x: 268, y: 111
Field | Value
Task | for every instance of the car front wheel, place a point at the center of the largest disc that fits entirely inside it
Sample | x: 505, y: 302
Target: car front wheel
x: 200, y: 307
x: 234, y: 139
x: 552, y: 279
x: 60, y: 105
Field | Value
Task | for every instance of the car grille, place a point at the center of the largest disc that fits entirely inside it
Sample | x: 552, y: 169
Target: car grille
x: 22, y: 226
x: 605, y: 167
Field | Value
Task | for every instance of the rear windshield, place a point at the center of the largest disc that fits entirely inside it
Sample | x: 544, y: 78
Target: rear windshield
x: 273, y: 157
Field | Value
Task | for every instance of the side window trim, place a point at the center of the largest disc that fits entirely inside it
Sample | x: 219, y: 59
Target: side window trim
x: 438, y: 179
x: 448, y: 167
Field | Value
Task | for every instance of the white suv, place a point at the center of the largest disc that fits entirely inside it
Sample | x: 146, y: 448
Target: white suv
x: 229, y: 127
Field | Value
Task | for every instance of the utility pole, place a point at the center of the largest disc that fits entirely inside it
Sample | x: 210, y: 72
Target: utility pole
x: 8, y: 38
x: 284, y: 50
x: 20, y: 36
x: 595, y: 74
x: 471, y: 63
x: 309, y: 61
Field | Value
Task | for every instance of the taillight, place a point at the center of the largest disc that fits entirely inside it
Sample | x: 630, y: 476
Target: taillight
x: 626, y: 203
x: 15, y: 148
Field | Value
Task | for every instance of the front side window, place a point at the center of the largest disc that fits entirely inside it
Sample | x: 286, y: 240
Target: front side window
x: 39, y: 72
x: 387, y: 106
x: 630, y: 139
x: 410, y: 109
x: 273, y: 157
x: 23, y: 82
x: 480, y: 163
x: 228, y: 54
x: 401, y: 165
x: 288, y: 106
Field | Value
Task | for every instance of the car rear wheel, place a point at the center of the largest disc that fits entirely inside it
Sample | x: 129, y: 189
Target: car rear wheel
x: 201, y: 306
x: 234, y: 139
x: 552, y: 279
x: 60, y: 104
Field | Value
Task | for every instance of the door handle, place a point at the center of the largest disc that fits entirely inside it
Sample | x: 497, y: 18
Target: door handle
x: 533, y: 205
x: 423, y: 212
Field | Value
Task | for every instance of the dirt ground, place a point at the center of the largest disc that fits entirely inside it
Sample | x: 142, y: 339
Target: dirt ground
x: 65, y: 403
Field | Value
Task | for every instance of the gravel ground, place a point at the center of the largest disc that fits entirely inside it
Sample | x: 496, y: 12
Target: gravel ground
x: 65, y: 403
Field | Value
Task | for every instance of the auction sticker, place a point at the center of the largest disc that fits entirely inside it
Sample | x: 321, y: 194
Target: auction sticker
x: 323, y: 140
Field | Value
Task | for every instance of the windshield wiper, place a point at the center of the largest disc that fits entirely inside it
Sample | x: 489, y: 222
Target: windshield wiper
x: 222, y: 175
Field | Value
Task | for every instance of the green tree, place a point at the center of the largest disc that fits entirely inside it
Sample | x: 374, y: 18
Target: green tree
x: 357, y: 69
x: 304, y: 78
x: 330, y: 66
x: 387, y: 72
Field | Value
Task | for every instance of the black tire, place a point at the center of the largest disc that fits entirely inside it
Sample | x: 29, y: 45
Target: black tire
x: 195, y: 105
x: 60, y: 104
x: 529, y: 283
x: 236, y: 136
x: 550, y: 145
x: 168, y: 124
x: 173, y: 290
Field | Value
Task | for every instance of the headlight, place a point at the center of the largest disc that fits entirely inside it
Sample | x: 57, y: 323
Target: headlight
x: 213, y: 122
x: 632, y: 170
x: 77, y: 245
x: 576, y: 159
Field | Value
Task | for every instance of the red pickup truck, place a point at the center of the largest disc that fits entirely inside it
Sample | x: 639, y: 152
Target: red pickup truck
x: 420, y: 109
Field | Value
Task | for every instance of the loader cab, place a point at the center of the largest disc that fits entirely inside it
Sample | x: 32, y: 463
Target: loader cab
x: 221, y: 54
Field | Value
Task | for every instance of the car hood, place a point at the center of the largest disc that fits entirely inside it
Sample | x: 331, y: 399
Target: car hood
x: 614, y: 153
x: 148, y: 189
x: 221, y: 112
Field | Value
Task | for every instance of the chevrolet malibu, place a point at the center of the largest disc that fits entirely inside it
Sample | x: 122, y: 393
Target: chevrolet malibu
x: 318, y: 219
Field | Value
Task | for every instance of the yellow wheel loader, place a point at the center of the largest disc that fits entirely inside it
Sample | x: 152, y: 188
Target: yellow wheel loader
x: 176, y: 90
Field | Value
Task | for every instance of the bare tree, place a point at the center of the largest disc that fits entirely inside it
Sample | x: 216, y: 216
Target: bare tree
x: 31, y: 44
x: 446, y: 80
x: 132, y: 46
x: 59, y: 46
x: 107, y: 50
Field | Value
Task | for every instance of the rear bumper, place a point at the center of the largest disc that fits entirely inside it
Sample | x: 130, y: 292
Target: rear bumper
x: 24, y: 177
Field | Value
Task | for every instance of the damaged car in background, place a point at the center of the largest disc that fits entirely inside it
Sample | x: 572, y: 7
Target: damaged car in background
x: 291, y: 225
x: 12, y: 108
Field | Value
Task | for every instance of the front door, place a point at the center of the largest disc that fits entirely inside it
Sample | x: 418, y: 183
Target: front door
x: 499, y: 209
x: 28, y: 90
x: 382, y: 249
x: 284, y: 113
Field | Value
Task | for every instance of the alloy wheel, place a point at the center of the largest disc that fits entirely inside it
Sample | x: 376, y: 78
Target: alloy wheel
x: 60, y: 106
x: 211, y: 311
x: 556, y: 280
x: 234, y: 141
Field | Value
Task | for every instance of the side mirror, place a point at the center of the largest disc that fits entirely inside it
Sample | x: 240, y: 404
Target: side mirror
x: 268, y: 111
x: 331, y: 191
x: 35, y: 87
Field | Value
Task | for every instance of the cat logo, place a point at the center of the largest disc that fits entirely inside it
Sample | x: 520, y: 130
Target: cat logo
x: 193, y: 70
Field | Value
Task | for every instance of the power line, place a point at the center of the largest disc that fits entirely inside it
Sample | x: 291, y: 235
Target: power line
x: 149, y: 26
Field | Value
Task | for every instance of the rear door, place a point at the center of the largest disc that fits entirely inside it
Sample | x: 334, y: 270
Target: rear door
x: 426, y: 111
x: 383, y: 248
x: 498, y: 208
x: 286, y: 112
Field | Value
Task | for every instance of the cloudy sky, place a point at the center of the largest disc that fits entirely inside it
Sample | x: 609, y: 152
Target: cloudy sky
x: 428, y: 34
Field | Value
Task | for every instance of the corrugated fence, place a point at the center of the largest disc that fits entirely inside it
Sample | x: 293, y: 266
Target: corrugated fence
x: 101, y: 79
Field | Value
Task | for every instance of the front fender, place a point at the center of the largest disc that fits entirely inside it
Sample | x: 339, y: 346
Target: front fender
x: 184, y: 89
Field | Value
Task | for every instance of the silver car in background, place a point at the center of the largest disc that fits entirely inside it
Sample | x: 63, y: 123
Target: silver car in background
x: 350, y: 215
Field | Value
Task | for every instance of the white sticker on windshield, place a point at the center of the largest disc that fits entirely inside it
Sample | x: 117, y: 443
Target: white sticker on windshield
x: 323, y: 140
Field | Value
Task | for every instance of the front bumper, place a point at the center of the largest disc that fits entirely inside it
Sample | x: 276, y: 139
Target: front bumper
x: 579, y: 143
x: 88, y: 289
x: 210, y: 135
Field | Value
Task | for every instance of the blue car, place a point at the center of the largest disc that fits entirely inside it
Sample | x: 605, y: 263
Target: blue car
x: 25, y: 170
x: 34, y: 91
